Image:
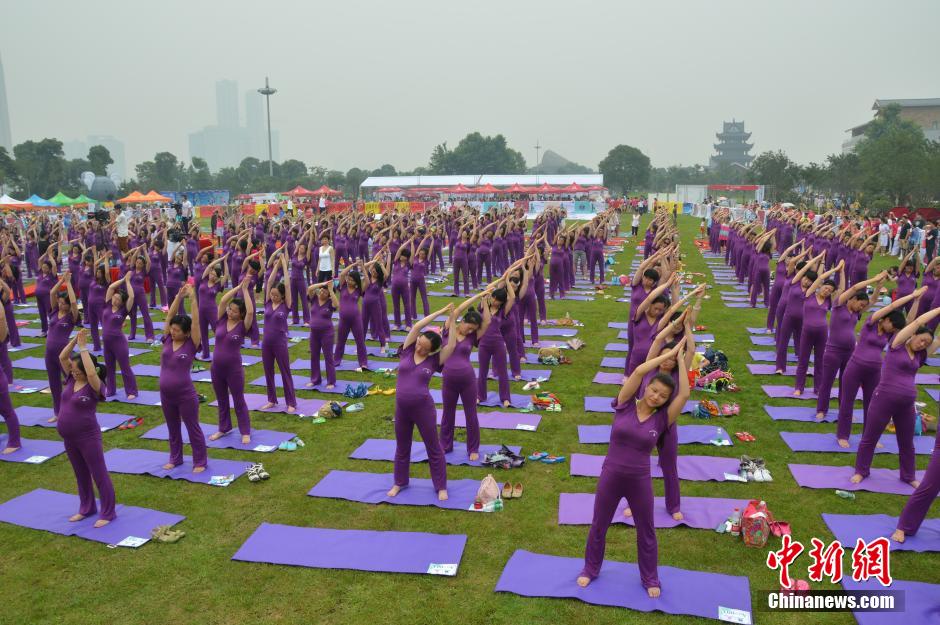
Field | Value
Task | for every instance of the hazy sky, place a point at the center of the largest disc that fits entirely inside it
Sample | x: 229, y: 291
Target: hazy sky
x: 364, y: 83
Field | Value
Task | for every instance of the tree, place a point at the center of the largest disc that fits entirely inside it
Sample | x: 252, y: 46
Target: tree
x: 293, y: 170
x: 775, y: 169
x: 8, y: 175
x: 385, y: 170
x: 163, y: 172
x: 335, y: 179
x: 41, y: 167
x: 625, y: 168
x: 72, y: 183
x: 893, y: 156
x: 476, y: 154
x: 354, y: 178
x: 199, y: 175
x: 842, y: 173
x: 98, y: 160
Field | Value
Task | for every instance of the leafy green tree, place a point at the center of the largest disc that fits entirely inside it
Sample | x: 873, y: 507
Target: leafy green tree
x: 354, y: 178
x: 625, y: 168
x: 8, y: 175
x: 385, y: 170
x: 199, y: 175
x: 292, y: 170
x: 843, y: 175
x: 98, y: 159
x: 41, y: 167
x: 72, y: 184
x: 893, y: 156
x: 476, y: 154
x: 774, y: 169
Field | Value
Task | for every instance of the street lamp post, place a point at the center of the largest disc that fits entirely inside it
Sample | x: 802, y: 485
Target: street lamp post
x: 538, y: 164
x: 267, y: 92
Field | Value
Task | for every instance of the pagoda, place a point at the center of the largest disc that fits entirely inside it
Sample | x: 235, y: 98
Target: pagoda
x: 733, y: 148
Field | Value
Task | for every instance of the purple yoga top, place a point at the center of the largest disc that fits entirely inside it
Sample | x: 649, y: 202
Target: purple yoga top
x: 77, y: 411
x: 176, y: 368
x: 112, y: 323
x: 228, y: 343
x: 632, y: 441
x: 870, y: 344
x: 842, y: 329
x: 814, y: 313
x: 275, y: 324
x: 348, y: 304
x: 321, y: 315
x: 898, y: 370
x: 59, y: 329
x: 413, y: 379
x: 459, y: 361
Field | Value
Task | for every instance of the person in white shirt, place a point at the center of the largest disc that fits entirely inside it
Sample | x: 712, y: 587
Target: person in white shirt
x: 326, y: 259
x: 120, y: 227
x: 186, y: 213
x: 635, y: 223
x: 322, y: 205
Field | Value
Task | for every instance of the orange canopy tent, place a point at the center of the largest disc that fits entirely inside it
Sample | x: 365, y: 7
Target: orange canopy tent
x: 153, y: 196
x: 133, y: 196
x: 325, y: 190
x: 299, y: 191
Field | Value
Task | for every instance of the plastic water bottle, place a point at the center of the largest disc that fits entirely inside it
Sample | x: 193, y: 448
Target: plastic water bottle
x: 736, y: 522
x: 845, y: 494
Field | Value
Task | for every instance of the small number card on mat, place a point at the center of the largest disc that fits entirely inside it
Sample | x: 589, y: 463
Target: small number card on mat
x: 442, y: 569
x: 732, y: 615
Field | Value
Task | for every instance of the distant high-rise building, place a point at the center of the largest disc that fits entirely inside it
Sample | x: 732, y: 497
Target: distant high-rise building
x: 732, y: 147
x: 6, y: 138
x: 227, y: 143
x: 226, y: 103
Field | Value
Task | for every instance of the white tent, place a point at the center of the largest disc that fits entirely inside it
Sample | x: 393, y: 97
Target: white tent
x: 585, y: 180
x: 6, y: 200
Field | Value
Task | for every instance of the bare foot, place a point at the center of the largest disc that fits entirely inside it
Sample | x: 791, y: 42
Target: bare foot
x: 844, y: 444
x: 677, y: 516
x: 797, y: 393
x: 9, y: 450
x: 506, y: 404
x: 76, y: 517
x: 310, y: 385
x: 442, y: 495
x: 627, y: 512
x: 330, y: 387
x: 474, y: 457
x: 217, y: 435
x: 898, y: 536
x: 291, y: 409
x: 779, y: 372
x: 879, y: 445
x: 653, y: 592
x: 914, y: 483
x: 270, y: 404
x: 169, y: 466
x: 198, y: 469
x: 358, y: 369
x: 584, y: 581
x: 52, y: 419
x: 394, y: 490
x: 129, y: 397
x: 246, y: 438
x: 101, y: 522
x: 820, y: 416
x: 855, y: 479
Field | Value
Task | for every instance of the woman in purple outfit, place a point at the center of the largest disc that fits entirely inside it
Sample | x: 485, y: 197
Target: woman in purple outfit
x: 894, y: 397
x: 80, y: 431
x: 817, y: 300
x: 401, y: 269
x: 44, y: 283
x: 639, y: 422
x: 460, y: 263
x: 646, y: 318
x: 791, y: 327
x: 556, y: 269
x: 907, y: 276
x: 119, y: 303
x: 214, y: 279
x: 96, y: 299
x: 864, y: 367
x: 275, y: 341
x: 419, y: 271
x: 140, y: 262
x: 463, y: 330
x: 178, y: 398
x: 228, y: 376
x: 323, y: 302
x: 919, y: 503
x: 780, y: 278
x: 298, y: 284
x: 420, y: 359
x: 176, y: 275
x: 6, y: 406
x: 350, y: 319
x: 62, y: 320
x: 849, y: 304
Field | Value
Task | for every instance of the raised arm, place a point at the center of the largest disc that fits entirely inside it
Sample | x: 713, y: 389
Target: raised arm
x: 419, y: 326
x: 911, y: 329
x: 682, y: 395
x: 632, y: 383
x: 91, y: 372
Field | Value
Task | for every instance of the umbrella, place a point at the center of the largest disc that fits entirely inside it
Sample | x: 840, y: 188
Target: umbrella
x: 516, y: 188
x: 325, y: 190
x: 787, y: 205
x: 487, y: 188
x: 299, y: 191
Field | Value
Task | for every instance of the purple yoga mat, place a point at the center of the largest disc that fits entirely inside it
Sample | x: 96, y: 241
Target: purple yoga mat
x: 27, y: 386
x: 693, y: 468
x: 373, y: 488
x: 744, y: 305
x: 143, y: 398
x: 763, y: 340
x: 303, y: 364
x: 39, y: 416
x: 492, y: 399
x: 149, y: 462
x: 808, y: 414
x: 701, y: 338
x: 608, y: 378
x: 879, y: 481
x: 703, y: 513
x: 384, y: 449
x: 759, y: 331
x: 781, y: 391
x: 32, y: 451
x: 694, y: 593
x: 304, y: 406
x: 848, y: 528
x: 300, y: 383
x: 360, y: 550
x: 49, y: 510
x: 814, y: 441
x: 618, y: 325
x: 247, y: 360
x: 498, y: 420
x: 261, y: 440
x: 22, y: 347
x: 934, y: 394
x: 688, y: 434
x: 602, y: 404
x: 764, y: 356
x: 613, y: 362
x: 769, y: 369
x: 617, y: 347
x: 920, y: 602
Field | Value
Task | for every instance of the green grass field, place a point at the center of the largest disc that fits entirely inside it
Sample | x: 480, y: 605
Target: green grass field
x: 54, y: 579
